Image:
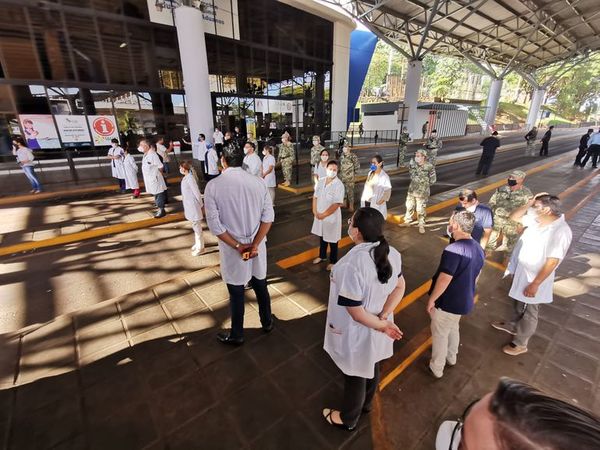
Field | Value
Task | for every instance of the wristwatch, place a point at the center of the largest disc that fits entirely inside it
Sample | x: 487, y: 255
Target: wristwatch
x: 238, y: 245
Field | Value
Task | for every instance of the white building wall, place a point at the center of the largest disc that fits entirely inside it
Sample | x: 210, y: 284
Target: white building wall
x: 381, y: 122
x: 340, y: 75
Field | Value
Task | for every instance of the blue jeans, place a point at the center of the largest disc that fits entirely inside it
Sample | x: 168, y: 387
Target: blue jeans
x: 30, y: 174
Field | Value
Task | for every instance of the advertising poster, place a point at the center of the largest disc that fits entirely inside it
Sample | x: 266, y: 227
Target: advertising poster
x: 104, y: 128
x: 73, y: 129
x: 220, y: 16
x: 39, y: 131
x: 251, y: 125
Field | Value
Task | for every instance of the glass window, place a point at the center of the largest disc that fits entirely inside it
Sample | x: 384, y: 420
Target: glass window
x: 167, y: 58
x: 142, y: 54
x: 113, y: 6
x: 65, y: 101
x: 116, y: 52
x: 86, y: 48
x: 136, y: 8
x: 18, y: 50
x: 31, y: 99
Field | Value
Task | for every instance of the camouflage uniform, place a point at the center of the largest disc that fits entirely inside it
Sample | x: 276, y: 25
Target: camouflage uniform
x: 421, y: 178
x: 530, y: 138
x: 503, y: 203
x: 349, y: 165
x: 403, y: 142
x: 433, y: 145
x: 286, y: 158
x: 315, y: 154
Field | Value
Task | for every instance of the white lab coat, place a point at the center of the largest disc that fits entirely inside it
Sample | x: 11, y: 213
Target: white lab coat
x: 116, y: 165
x: 354, y: 347
x: 212, y: 162
x: 252, y: 164
x: 378, y: 187
x: 199, y: 150
x: 162, y: 151
x: 238, y: 202
x: 329, y: 228
x: 218, y: 137
x: 270, y: 179
x: 131, y: 170
x: 535, y: 246
x: 320, y: 171
x: 191, y: 198
x: 153, y: 179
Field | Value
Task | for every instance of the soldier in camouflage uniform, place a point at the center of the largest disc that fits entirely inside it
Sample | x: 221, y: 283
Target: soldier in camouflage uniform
x: 315, y: 151
x: 530, y: 138
x: 504, y: 201
x: 287, y: 155
x: 422, y: 176
x: 402, y: 143
x: 433, y: 145
x: 349, y: 166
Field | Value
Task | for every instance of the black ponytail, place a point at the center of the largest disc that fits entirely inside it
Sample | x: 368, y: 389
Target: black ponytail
x: 370, y: 222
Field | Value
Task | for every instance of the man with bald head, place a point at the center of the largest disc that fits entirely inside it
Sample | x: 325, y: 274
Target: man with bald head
x: 505, y: 200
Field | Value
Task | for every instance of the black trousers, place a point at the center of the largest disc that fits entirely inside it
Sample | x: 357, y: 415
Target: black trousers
x: 219, y: 150
x: 333, y: 250
x: 485, y: 162
x: 580, y: 154
x: 121, y: 184
x: 358, y: 397
x: 544, y: 149
x: 236, y: 304
x: 160, y: 200
x: 210, y: 177
x: 593, y: 153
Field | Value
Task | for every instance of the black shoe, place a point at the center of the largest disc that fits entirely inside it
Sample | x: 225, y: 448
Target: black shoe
x: 269, y: 327
x: 225, y: 338
x: 160, y: 214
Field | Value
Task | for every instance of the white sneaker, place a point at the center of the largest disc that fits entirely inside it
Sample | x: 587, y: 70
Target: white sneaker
x: 197, y: 252
x: 421, y: 229
x: 317, y: 261
x: 329, y: 267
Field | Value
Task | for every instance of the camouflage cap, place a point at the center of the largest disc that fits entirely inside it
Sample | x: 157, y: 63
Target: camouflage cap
x: 517, y: 174
x: 421, y: 152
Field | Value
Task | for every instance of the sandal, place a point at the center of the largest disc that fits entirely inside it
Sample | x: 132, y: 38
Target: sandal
x: 327, y: 412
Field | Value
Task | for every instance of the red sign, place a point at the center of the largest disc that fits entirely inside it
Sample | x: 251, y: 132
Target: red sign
x: 103, y: 127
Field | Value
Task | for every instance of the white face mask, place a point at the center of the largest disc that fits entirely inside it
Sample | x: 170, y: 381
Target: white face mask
x: 141, y: 149
x: 471, y: 208
x: 346, y: 150
x: 324, y: 158
x: 264, y: 153
x: 181, y: 171
x: 532, y: 212
x: 331, y: 173
x: 349, y: 234
x: 315, y: 143
x: 245, y: 151
x: 445, y: 436
x: 113, y: 145
x: 419, y: 159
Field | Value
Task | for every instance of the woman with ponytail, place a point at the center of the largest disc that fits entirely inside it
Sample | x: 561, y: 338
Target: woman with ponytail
x: 192, y: 204
x: 366, y: 286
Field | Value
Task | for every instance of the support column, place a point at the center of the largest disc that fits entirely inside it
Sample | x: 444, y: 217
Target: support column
x: 492, y: 101
x: 194, y: 64
x: 340, y: 76
x: 411, y: 96
x: 534, y: 108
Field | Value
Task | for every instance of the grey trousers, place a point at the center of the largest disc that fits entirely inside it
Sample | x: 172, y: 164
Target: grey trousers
x: 524, y: 322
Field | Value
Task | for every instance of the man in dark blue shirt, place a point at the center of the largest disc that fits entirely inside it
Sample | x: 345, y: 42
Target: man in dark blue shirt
x: 484, y: 217
x: 452, y: 293
x: 489, y: 144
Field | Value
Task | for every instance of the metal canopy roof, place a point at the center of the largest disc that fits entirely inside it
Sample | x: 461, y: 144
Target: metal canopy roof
x: 519, y: 34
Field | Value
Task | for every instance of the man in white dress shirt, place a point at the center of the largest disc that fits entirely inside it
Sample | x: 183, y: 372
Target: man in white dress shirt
x: 239, y: 212
x: 218, y: 141
x: 252, y: 163
x: 541, y: 248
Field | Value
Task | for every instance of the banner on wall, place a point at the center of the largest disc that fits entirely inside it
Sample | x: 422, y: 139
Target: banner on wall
x: 39, y: 131
x: 220, y: 16
x: 251, y: 126
x: 104, y: 128
x: 73, y: 129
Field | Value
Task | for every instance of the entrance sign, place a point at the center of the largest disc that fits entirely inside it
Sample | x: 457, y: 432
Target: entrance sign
x: 104, y: 128
x: 73, y: 129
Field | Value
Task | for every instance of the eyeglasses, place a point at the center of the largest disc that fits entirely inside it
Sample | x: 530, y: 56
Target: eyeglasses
x: 460, y: 423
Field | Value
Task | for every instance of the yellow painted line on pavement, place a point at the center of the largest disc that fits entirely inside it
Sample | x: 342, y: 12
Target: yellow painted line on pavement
x: 67, y: 193
x: 413, y: 296
x: 308, y: 255
x: 90, y: 234
x: 385, y: 381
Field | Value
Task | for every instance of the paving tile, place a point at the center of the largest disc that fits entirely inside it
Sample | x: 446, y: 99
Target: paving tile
x: 579, y: 342
x: 100, y: 337
x: 137, y: 301
x: 184, y: 305
x: 94, y: 316
x: 574, y: 362
x: 158, y: 369
x: 572, y: 387
x: 165, y: 331
x: 291, y: 433
x: 213, y: 426
x: 213, y: 294
x: 583, y: 326
x: 180, y: 401
x: 171, y: 289
x: 32, y: 396
x: 232, y: 372
x: 145, y: 320
x: 300, y: 378
x: 9, y: 348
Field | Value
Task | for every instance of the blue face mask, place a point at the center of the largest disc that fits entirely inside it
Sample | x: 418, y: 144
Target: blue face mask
x: 373, y: 167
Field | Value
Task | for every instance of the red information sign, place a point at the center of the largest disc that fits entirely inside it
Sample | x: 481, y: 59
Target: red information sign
x: 103, y: 126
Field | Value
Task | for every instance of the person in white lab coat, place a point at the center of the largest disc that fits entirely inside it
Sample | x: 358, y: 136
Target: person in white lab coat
x: 320, y: 169
x: 131, y: 170
x: 239, y: 212
x: 378, y: 187
x: 327, y: 224
x: 268, y: 171
x: 116, y: 154
x: 163, y: 151
x: 252, y: 163
x: 199, y: 153
x: 366, y: 286
x: 192, y: 204
x: 153, y: 177
x: 218, y: 141
x: 211, y: 163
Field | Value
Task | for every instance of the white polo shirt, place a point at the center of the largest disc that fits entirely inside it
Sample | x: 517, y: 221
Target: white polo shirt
x: 536, y: 245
